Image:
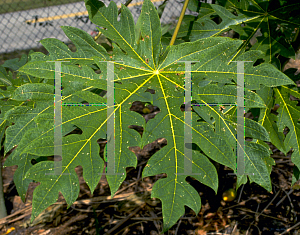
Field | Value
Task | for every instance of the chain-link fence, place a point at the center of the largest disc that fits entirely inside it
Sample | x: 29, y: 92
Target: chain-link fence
x: 23, y: 23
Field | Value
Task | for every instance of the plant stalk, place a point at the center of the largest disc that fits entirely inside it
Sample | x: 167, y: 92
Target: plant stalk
x: 3, y: 212
x: 186, y: 2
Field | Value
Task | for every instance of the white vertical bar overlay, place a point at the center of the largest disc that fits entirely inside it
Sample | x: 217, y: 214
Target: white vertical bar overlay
x: 188, y: 120
x: 110, y: 130
x: 57, y: 120
x: 110, y: 119
x: 240, y: 119
x: 188, y: 137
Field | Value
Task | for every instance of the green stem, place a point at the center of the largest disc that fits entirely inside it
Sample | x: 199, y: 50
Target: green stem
x: 186, y: 2
x: 3, y: 212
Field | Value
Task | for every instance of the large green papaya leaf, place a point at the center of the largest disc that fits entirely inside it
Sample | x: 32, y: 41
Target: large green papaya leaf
x: 137, y: 66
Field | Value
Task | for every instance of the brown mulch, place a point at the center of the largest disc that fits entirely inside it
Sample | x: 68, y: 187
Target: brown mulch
x: 132, y: 211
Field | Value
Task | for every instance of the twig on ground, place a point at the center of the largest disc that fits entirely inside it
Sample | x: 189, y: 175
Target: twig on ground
x: 155, y: 216
x: 241, y: 193
x: 286, y: 195
x: 176, y: 231
x: 5, y: 219
x: 289, y: 229
x: 234, y: 228
x: 247, y: 210
x: 124, y: 220
x: 138, y: 177
x: 256, y: 218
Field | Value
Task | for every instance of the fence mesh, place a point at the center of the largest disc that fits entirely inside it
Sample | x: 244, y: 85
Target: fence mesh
x: 24, y: 23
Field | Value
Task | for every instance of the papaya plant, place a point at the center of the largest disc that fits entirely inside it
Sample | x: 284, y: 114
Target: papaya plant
x: 143, y: 60
x: 274, y: 21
